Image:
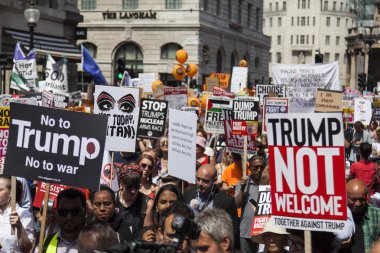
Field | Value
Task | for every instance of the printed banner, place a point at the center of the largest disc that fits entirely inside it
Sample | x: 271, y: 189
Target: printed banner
x: 263, y: 91
x: 263, y: 210
x: 4, y: 134
x: 120, y: 104
x: 245, y: 116
x: 239, y: 79
x: 176, y: 97
x: 211, y: 83
x: 152, y: 118
x: 273, y: 105
x: 224, y: 79
x: 218, y: 92
x: 363, y: 111
x: 47, y: 99
x: 55, y: 146
x: 307, y: 165
x: 214, y: 114
x: 302, y: 82
x: 328, y: 101
x: 235, y: 143
x: 376, y: 114
x: 182, y: 139
x: 56, y: 76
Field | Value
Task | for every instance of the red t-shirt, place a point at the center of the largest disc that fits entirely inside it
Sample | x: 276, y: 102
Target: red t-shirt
x: 365, y: 172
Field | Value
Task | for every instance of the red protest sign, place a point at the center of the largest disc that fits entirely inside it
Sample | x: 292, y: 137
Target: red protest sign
x: 307, y: 165
x: 263, y: 210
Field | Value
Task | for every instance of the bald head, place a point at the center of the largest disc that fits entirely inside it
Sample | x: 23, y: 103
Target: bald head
x: 206, y: 176
x: 207, y: 170
x: 357, y: 196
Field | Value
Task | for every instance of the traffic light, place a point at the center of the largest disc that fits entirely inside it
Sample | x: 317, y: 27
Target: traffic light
x: 318, y: 58
x: 362, y: 81
x: 120, y: 69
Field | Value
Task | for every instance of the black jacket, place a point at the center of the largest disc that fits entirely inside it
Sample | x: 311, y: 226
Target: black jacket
x: 223, y: 201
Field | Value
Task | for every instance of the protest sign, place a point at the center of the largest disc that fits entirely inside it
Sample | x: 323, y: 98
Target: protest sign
x: 211, y: 82
x: 307, y: 168
x: 5, y: 100
x: 273, y: 105
x: 302, y: 82
x: 36, y: 96
x: 182, y: 139
x: 152, y: 118
x: 239, y: 79
x: 328, y: 101
x: 245, y: 116
x: 217, y: 91
x: 224, y: 79
x: 263, y: 91
x: 263, y: 210
x: 108, y: 175
x: 376, y: 114
x: 146, y: 80
x: 120, y: 104
x: 176, y: 97
x: 235, y: 143
x: 47, y: 99
x: 214, y: 114
x: 4, y: 134
x: 55, y: 146
x: 56, y: 76
x: 363, y: 111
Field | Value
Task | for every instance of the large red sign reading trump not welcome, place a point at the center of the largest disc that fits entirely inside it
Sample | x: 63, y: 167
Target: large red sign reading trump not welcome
x: 306, y: 157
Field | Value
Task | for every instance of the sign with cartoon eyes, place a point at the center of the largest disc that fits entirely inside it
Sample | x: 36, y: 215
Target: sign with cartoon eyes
x: 120, y: 104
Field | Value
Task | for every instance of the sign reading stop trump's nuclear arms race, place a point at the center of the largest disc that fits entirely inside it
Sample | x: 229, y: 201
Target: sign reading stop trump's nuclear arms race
x: 306, y: 161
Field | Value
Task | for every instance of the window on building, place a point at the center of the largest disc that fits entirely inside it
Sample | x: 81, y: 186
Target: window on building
x: 346, y: 22
x: 229, y: 8
x: 326, y: 6
x: 341, y: 6
x: 284, y: 6
x: 338, y: 22
x: 308, y: 4
x: 303, y: 4
x: 297, y: 39
x: 131, y: 55
x: 334, y: 6
x: 292, y: 21
x: 278, y: 57
x: 313, y: 21
x: 291, y: 39
x: 337, y: 40
x: 346, y: 6
x: 337, y: 57
x: 258, y: 15
x: 270, y: 22
x: 130, y: 4
x: 308, y: 21
x: 168, y: 50
x: 218, y: 7
x: 302, y: 39
x: 307, y: 39
x: 278, y: 39
x: 234, y: 58
x: 298, y: 21
x: 303, y: 21
x: 328, y: 21
x: 173, y: 4
x: 205, y: 5
x: 327, y: 40
x: 312, y: 39
x: 277, y: 6
x: 219, y: 61
x: 326, y: 58
x: 249, y: 15
x: 240, y: 11
x: 88, y: 4
x: 279, y: 21
x: 270, y: 7
x: 298, y: 5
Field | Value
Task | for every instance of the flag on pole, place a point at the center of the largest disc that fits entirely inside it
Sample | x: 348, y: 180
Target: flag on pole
x: 89, y: 65
x: 126, y: 80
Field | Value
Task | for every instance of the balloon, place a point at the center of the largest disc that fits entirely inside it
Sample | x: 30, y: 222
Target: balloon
x: 179, y: 72
x: 243, y: 63
x: 181, y: 56
x: 204, y: 101
x: 193, y: 102
x: 155, y: 83
x: 191, y: 69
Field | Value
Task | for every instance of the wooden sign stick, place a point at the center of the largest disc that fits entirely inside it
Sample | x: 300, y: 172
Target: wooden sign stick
x: 44, y: 213
x: 245, y: 157
x: 307, y: 237
x: 13, y: 200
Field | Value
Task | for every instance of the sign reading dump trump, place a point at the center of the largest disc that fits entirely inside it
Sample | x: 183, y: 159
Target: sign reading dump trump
x: 306, y: 161
x: 56, y: 146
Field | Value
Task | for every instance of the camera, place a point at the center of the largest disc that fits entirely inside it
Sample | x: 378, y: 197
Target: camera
x: 185, y: 227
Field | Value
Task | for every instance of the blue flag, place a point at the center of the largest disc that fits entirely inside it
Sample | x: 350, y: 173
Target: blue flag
x: 89, y: 65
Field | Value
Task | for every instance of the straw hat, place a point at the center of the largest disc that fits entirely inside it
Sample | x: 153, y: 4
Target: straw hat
x: 269, y: 227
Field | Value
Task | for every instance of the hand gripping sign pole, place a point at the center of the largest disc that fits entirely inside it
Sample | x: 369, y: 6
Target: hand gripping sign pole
x: 44, y: 214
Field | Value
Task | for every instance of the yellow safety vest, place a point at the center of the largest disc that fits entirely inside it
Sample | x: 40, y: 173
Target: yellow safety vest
x: 53, y: 244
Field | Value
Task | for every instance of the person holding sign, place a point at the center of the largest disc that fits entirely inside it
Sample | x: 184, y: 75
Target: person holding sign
x: 21, y: 220
x: 360, y: 135
x: 273, y: 237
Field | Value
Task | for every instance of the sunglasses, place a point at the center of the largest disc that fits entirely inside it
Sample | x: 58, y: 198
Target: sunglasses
x: 258, y: 166
x: 164, y: 142
x: 144, y: 166
x: 106, y: 204
x: 65, y: 212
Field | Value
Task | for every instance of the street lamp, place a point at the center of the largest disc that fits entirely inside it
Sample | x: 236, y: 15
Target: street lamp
x: 32, y: 15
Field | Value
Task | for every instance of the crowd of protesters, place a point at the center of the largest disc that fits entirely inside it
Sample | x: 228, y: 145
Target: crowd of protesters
x: 152, y: 210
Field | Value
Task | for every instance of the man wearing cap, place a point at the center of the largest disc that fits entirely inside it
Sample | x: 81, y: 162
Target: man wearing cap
x: 273, y: 237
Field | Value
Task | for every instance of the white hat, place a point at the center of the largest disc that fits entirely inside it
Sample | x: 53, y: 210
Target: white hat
x: 269, y: 227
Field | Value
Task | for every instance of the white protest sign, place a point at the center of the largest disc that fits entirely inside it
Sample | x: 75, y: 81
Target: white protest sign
x: 182, y: 142
x: 363, y: 111
x: 262, y: 91
x: 120, y: 104
x: 56, y: 76
x: 239, y: 79
x: 146, y: 80
x: 302, y: 82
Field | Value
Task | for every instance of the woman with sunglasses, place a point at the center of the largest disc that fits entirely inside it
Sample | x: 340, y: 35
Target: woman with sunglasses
x: 162, y: 149
x: 146, y: 163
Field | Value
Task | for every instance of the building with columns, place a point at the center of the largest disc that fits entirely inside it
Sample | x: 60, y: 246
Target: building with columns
x: 54, y: 34
x: 300, y: 29
x: 143, y: 36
